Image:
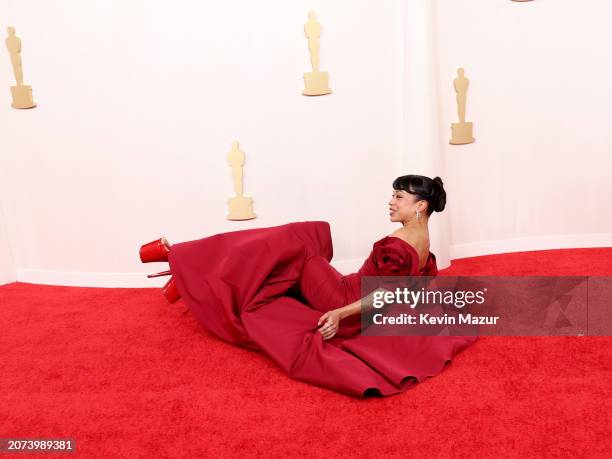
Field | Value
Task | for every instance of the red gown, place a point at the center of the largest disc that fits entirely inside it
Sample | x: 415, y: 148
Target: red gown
x: 266, y: 288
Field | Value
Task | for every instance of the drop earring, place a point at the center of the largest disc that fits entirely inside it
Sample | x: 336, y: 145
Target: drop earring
x: 418, y: 214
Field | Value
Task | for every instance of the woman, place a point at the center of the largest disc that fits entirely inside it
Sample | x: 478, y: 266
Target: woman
x: 266, y: 288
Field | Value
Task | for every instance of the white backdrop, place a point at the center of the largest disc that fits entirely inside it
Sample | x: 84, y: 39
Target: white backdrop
x: 139, y: 102
x: 7, y: 266
x: 538, y: 175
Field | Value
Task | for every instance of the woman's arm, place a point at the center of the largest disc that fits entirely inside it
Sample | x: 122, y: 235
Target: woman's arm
x: 361, y: 305
x: 333, y: 317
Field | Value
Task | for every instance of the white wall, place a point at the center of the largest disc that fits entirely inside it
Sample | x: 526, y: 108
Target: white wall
x: 7, y: 266
x: 537, y: 176
x: 139, y: 102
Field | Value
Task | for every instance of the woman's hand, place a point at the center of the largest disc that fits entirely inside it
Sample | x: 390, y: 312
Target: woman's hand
x: 332, y: 322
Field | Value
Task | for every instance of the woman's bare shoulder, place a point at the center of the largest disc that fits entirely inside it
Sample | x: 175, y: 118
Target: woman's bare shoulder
x: 420, y: 242
x: 400, y: 232
x: 403, y: 234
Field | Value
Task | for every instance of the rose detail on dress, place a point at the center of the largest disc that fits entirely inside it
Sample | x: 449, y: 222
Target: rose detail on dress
x: 390, y: 261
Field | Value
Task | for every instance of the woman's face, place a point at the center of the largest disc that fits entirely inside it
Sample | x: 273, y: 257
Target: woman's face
x: 403, y: 206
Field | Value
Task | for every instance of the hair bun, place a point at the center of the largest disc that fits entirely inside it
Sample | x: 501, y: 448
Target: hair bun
x: 441, y: 201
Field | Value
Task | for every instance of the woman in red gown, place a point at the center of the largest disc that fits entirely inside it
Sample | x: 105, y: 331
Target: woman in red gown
x: 273, y: 290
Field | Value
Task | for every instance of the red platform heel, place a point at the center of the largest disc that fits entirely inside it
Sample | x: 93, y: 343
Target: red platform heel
x: 171, y: 292
x: 155, y: 251
x: 158, y: 250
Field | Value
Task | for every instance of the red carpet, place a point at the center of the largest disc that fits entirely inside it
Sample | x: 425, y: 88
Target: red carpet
x: 127, y: 375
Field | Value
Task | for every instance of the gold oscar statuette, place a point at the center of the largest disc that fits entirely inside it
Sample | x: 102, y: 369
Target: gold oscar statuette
x: 240, y: 206
x: 461, y: 131
x: 316, y: 82
x: 22, y: 94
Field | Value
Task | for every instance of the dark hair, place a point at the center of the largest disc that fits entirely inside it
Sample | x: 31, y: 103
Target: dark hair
x: 423, y: 188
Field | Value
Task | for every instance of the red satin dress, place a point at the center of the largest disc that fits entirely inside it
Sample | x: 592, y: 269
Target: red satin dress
x: 266, y: 288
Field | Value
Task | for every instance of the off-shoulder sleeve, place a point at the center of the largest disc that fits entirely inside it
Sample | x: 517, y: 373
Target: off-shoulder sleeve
x: 392, y: 258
